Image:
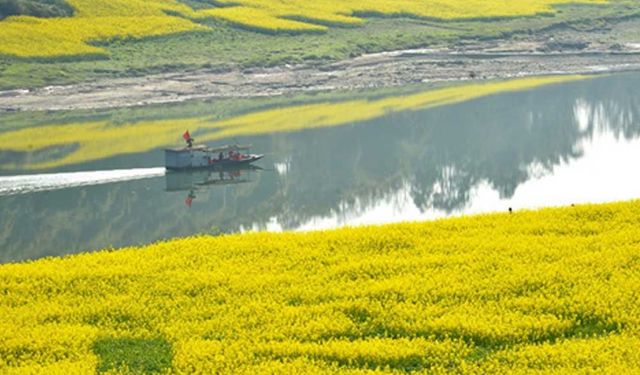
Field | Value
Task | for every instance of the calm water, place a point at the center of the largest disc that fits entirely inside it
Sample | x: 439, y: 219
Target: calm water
x: 557, y: 145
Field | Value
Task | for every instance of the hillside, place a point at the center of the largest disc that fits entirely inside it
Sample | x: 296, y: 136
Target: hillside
x: 135, y: 38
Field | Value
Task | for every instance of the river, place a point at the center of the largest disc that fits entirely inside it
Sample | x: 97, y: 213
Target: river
x: 562, y: 144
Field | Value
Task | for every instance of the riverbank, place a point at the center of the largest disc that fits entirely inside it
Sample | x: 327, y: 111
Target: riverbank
x: 392, y: 69
x: 554, y: 289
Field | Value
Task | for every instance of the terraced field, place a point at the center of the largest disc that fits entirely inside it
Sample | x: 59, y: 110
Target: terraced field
x: 93, y: 21
x: 102, y: 21
x: 282, y: 14
x: 554, y: 290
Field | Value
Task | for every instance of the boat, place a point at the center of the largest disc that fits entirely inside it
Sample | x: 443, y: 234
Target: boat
x: 192, y: 157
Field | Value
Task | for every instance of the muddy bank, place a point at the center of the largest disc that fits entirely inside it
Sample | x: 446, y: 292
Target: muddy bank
x: 489, y: 60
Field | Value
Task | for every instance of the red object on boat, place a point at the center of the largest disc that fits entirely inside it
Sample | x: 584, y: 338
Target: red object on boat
x: 186, y: 136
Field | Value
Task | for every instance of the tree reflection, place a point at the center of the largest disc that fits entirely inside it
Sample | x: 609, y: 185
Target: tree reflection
x: 444, y: 153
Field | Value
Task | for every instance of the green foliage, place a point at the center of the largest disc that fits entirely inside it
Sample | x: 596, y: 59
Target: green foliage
x: 36, y: 8
x: 134, y: 355
x: 199, y: 4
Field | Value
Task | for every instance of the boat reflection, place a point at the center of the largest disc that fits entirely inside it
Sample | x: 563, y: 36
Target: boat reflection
x: 193, y: 181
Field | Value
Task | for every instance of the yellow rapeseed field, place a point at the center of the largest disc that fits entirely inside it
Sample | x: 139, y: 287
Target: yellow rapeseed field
x: 102, y: 139
x: 555, y: 291
x: 102, y: 20
x: 269, y: 14
x: 94, y: 21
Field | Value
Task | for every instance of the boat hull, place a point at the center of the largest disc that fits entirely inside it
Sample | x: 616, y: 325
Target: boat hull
x: 214, y: 164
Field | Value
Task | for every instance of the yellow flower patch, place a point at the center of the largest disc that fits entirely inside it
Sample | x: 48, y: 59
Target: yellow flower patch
x: 264, y: 13
x: 554, y: 290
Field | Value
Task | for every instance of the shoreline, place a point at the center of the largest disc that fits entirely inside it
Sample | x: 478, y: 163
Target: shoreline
x: 487, y: 61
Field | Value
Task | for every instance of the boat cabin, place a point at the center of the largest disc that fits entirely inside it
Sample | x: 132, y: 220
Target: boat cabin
x: 201, y: 156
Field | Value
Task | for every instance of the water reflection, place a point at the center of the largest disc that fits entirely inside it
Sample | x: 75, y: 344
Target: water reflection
x: 49, y: 146
x: 197, y: 181
x: 562, y: 144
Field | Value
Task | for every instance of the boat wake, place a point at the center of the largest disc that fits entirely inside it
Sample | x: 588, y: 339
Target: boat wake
x: 12, y: 185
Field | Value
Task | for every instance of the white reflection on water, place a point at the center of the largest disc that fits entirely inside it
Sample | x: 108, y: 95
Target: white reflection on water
x: 601, y: 175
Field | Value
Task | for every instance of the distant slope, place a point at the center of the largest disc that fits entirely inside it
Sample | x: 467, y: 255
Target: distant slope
x: 117, y: 38
x: 100, y: 20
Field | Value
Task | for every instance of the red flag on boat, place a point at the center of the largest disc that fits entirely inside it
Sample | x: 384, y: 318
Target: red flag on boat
x: 186, y: 136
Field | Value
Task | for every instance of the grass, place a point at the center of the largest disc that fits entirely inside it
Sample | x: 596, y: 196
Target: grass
x: 553, y: 290
x: 135, y: 355
x: 219, y: 45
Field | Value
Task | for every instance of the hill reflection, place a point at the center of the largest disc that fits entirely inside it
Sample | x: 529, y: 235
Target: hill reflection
x: 442, y: 154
